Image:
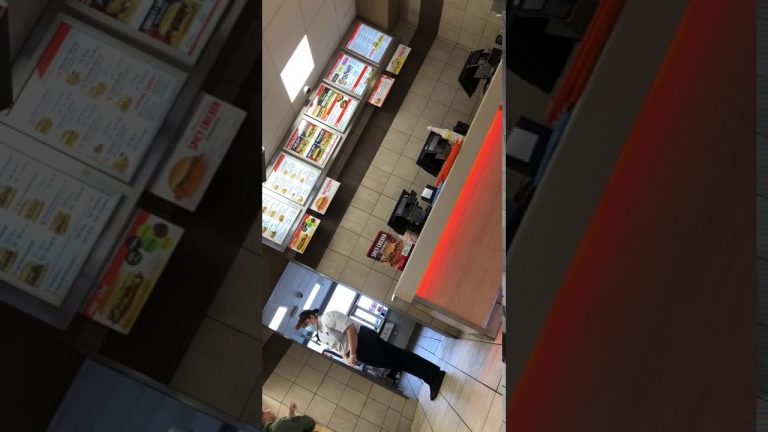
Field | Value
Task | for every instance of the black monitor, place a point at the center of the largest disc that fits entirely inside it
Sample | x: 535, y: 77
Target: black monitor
x: 480, y: 65
x: 434, y: 153
x: 407, y: 215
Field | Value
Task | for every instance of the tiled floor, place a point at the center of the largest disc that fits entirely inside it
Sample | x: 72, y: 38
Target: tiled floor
x: 471, y: 396
x: 338, y: 400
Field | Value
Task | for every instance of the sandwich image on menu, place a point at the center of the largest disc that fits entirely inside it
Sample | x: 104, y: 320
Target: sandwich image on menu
x: 7, y: 259
x: 198, y: 153
x: 133, y: 272
x: 7, y: 194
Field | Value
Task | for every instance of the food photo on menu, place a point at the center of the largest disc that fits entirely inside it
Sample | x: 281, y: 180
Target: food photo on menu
x: 292, y: 178
x: 277, y: 218
x: 332, y: 107
x: 312, y: 142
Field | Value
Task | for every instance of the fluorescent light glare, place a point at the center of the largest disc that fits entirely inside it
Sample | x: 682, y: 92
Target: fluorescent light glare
x: 298, y: 68
x: 278, y: 318
x: 312, y: 296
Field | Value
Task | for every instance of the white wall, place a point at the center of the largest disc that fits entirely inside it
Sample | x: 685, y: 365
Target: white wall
x: 284, y: 24
x: 22, y: 16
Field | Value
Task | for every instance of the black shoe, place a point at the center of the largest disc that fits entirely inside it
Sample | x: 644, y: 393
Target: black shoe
x: 434, y: 386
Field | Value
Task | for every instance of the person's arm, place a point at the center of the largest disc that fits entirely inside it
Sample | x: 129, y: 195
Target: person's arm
x: 292, y: 409
x: 352, y: 338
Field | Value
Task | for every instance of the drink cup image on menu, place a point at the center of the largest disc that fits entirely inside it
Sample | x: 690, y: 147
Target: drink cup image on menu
x: 31, y: 209
x: 7, y: 194
x: 7, y: 259
x: 60, y: 223
x: 32, y: 273
x: 44, y: 125
x: 186, y: 176
x: 69, y: 138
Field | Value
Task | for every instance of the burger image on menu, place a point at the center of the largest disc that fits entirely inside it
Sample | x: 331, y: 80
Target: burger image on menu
x: 7, y: 194
x: 98, y: 89
x: 392, y: 252
x: 7, y: 259
x: 124, y: 103
x: 170, y: 20
x: 44, y: 126
x: 31, y: 209
x: 186, y: 176
x: 321, y: 203
x: 60, y: 223
x: 69, y: 138
x: 123, y: 10
x: 32, y: 273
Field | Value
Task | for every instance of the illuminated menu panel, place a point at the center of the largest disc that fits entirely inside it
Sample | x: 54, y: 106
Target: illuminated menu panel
x: 332, y: 107
x: 277, y: 217
x: 350, y: 74
x: 368, y: 42
x: 312, y: 142
x: 292, y: 178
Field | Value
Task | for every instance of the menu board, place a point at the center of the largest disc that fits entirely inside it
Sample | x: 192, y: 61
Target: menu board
x: 96, y: 102
x: 133, y: 272
x: 304, y: 233
x: 398, y: 59
x: 312, y: 142
x: 381, y: 91
x: 48, y: 224
x: 325, y: 196
x: 350, y: 74
x: 181, y: 24
x: 277, y: 217
x: 368, y: 42
x: 189, y: 170
x: 292, y: 178
x: 332, y: 107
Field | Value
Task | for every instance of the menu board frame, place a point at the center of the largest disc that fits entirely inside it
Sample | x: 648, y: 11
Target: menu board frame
x: 355, y: 109
x: 129, y: 193
x: 385, y: 54
x: 281, y: 246
x: 23, y: 75
x: 204, y: 37
x: 290, y: 158
x: 374, y: 72
x: 329, y: 155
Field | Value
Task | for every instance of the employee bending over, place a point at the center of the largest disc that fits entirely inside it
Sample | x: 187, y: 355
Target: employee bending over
x: 339, y: 333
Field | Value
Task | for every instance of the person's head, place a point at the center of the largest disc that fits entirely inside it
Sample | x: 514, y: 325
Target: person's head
x: 267, y: 416
x: 308, y: 319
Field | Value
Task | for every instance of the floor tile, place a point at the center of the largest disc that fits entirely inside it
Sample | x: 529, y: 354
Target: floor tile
x: 429, y: 71
x: 343, y: 241
x: 468, y: 39
x: 454, y: 116
x: 493, y: 422
x: 443, y: 94
x: 391, y: 421
x: 404, y: 425
x: 352, y: 400
x: 298, y: 394
x: 397, y: 403
x: 339, y: 373
x: 450, y: 76
x: 414, y: 103
x: 376, y: 286
x: 331, y: 389
x: 394, y: 187
x: 364, y: 425
x: 479, y: 8
x: 458, y: 57
x: 289, y: 368
x: 342, y: 420
x: 320, y: 409
x: 421, y: 132
x: 332, y: 264
x: 413, y: 148
x: 276, y: 387
x: 474, y: 404
x: 373, y: 226
x: 385, y: 160
x: 404, y: 122
x: 310, y: 378
x: 462, y: 102
x: 227, y: 379
x: 365, y: 199
x: 424, y: 85
x: 448, y: 32
x: 453, y: 385
x: 374, y: 412
x: 406, y: 169
x: 375, y: 179
x: 298, y: 352
x: 361, y: 384
x: 354, y: 220
x: 441, y: 50
x: 474, y: 25
x: 409, y: 408
x: 380, y: 394
x: 384, y: 207
x: 319, y: 362
x: 354, y: 274
x: 396, y: 139
x: 360, y: 252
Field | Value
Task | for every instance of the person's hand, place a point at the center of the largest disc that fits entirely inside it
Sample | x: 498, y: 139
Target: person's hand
x: 351, y: 360
x: 292, y: 406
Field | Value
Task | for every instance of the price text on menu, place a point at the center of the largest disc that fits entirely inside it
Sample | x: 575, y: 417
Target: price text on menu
x: 368, y: 42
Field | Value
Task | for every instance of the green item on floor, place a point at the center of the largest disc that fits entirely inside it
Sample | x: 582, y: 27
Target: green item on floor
x: 301, y: 423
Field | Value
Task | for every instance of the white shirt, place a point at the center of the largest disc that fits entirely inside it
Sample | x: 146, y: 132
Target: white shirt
x: 331, y: 327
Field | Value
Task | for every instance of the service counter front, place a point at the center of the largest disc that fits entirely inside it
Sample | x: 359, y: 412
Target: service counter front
x: 455, y: 267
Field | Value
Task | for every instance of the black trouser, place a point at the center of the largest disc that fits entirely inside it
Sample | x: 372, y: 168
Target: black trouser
x: 374, y: 351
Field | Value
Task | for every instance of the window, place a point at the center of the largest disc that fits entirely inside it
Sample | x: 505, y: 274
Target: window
x: 298, y: 69
x: 341, y: 300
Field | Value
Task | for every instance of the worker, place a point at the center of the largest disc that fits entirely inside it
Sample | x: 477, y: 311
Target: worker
x: 291, y: 423
x: 356, y: 343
